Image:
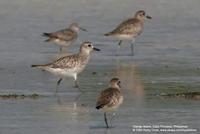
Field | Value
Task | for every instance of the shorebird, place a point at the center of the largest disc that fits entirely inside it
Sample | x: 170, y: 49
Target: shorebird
x: 64, y: 37
x: 71, y: 65
x: 110, y: 98
x: 130, y: 29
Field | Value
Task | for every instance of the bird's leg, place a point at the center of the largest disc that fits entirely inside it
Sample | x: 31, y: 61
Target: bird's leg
x: 76, y: 84
x: 58, y: 83
x: 120, y: 42
x: 119, y: 46
x: 113, y: 115
x: 75, y: 81
x: 106, y: 120
x: 132, y: 47
x: 60, y: 49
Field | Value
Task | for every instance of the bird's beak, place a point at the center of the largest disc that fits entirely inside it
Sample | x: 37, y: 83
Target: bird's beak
x: 83, y: 29
x: 96, y: 49
x: 148, y: 17
x: 119, y: 83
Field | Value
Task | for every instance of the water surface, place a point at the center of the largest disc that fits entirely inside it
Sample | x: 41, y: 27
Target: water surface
x: 166, y: 61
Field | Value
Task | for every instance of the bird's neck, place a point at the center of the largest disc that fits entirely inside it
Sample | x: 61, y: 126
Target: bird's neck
x: 140, y: 20
x: 85, y: 55
x: 116, y: 87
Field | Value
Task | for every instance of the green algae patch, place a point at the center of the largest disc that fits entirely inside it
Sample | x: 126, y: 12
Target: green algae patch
x: 20, y: 96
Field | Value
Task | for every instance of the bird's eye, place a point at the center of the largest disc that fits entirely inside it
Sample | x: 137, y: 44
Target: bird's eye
x: 89, y: 45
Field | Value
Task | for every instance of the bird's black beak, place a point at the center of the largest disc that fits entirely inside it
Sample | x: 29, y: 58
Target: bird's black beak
x: 96, y: 49
x: 83, y: 29
x: 148, y: 17
x: 119, y: 83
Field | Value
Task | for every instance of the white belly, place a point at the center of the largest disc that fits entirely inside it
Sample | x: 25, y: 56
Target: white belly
x: 62, y: 43
x: 62, y: 72
x: 124, y: 37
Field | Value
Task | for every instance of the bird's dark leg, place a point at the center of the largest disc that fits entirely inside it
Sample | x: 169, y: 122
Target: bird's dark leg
x: 76, y: 84
x: 120, y: 42
x: 60, y: 49
x: 58, y: 83
x: 106, y: 120
x: 119, y: 46
x: 132, y: 47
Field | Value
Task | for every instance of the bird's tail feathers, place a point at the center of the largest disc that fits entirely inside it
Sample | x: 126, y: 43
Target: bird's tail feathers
x: 108, y: 34
x: 39, y: 66
x: 99, y: 106
x: 46, y: 34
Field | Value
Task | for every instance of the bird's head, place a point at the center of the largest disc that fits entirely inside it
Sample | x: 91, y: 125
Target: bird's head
x: 115, y: 83
x: 87, y: 47
x: 141, y: 15
x: 75, y: 27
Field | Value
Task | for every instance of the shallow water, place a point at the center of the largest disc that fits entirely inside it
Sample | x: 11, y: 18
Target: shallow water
x: 166, y: 61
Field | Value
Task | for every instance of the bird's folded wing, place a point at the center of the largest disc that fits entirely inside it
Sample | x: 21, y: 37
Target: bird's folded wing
x: 65, y: 62
x: 107, y: 97
x: 131, y: 26
x: 65, y: 34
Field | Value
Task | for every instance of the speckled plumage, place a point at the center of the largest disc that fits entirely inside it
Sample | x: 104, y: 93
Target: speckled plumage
x: 72, y: 65
x: 76, y: 61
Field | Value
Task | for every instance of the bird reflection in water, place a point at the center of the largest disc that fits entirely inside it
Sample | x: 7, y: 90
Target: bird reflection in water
x: 131, y: 79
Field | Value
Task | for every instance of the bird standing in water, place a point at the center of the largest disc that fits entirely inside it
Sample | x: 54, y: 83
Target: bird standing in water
x: 71, y: 65
x: 110, y: 98
x: 130, y: 29
x: 64, y: 37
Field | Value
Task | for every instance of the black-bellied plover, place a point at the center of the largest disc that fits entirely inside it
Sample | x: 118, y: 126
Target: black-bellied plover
x: 64, y: 37
x: 110, y: 98
x: 130, y: 29
x: 71, y: 65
